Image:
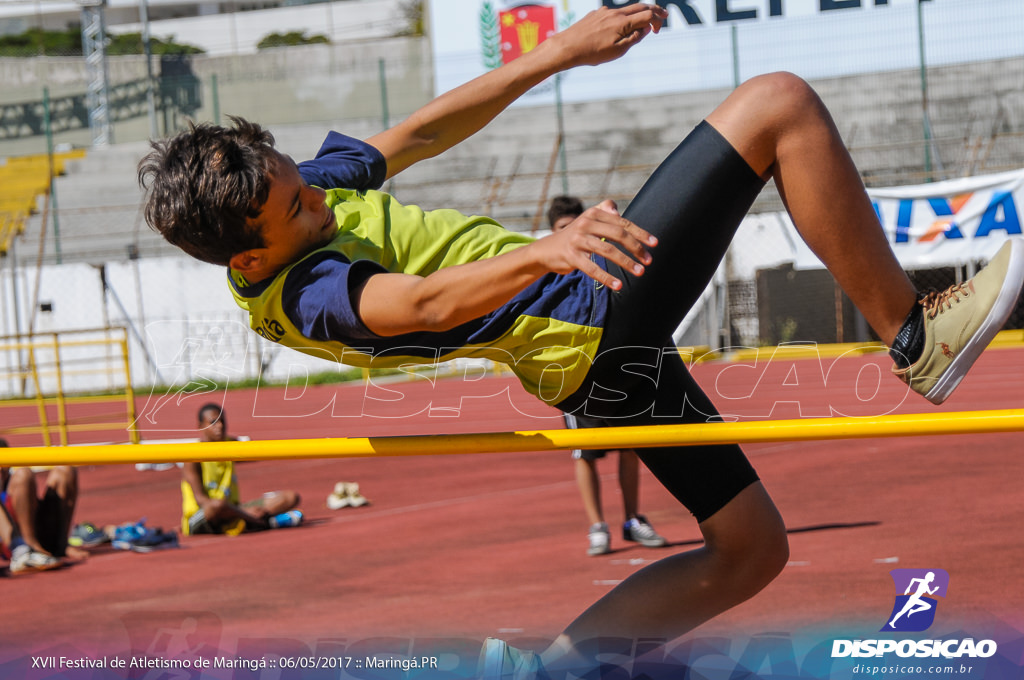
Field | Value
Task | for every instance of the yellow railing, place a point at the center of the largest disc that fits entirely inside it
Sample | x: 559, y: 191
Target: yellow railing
x: 803, y: 429
x: 38, y: 366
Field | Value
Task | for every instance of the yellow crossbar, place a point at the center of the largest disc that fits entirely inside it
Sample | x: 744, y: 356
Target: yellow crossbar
x: 917, y: 424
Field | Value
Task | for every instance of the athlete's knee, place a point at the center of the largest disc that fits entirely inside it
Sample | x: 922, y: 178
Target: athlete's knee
x: 748, y: 541
x: 281, y: 501
x: 216, y: 509
x: 773, y: 551
x: 22, y: 481
x: 782, y: 95
x: 763, y: 114
x: 758, y: 558
x: 64, y: 480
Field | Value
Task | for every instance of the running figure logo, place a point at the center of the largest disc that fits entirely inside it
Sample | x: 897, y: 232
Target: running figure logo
x: 914, y: 610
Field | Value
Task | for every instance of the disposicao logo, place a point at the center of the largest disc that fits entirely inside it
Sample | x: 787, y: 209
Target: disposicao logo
x: 914, y: 609
x: 912, y: 612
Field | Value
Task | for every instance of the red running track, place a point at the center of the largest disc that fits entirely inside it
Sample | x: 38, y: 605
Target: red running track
x: 478, y: 545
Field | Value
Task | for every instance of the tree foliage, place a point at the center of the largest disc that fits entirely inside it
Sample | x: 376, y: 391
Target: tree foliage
x: 68, y: 43
x: 290, y: 39
x: 413, y: 11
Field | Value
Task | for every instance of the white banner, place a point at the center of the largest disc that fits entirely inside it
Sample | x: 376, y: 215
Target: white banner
x: 944, y: 223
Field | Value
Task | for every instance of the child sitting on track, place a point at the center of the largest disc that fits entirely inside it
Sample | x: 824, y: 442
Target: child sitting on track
x: 210, y: 502
x: 326, y: 264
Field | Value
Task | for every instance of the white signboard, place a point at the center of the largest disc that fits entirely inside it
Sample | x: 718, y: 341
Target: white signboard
x: 707, y: 43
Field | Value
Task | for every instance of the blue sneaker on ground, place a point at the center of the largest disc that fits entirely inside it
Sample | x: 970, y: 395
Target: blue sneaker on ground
x: 154, y: 539
x: 140, y: 538
x: 126, y: 534
x: 292, y: 518
x: 87, y: 535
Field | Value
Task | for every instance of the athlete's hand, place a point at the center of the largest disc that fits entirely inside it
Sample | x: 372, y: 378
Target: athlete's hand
x: 606, y: 34
x: 597, y: 231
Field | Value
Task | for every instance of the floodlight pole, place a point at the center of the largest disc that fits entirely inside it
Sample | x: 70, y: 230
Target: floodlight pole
x: 148, y: 51
x: 925, y: 119
x: 560, y: 118
x: 94, y: 48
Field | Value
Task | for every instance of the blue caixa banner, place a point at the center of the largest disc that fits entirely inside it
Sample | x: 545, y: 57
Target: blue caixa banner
x: 941, y: 224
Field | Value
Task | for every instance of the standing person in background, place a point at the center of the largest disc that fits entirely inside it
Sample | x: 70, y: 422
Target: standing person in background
x: 209, y: 491
x: 561, y: 213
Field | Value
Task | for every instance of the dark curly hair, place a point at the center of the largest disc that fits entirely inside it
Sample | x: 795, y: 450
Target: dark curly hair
x: 562, y: 206
x: 204, y: 184
x: 215, y: 408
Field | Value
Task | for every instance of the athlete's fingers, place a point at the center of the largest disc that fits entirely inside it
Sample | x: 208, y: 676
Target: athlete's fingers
x: 642, y: 15
x: 590, y: 268
x: 633, y: 37
x: 644, y: 12
x: 582, y: 246
x: 607, y: 212
x: 611, y: 227
x: 628, y: 262
x: 606, y: 34
x: 608, y: 205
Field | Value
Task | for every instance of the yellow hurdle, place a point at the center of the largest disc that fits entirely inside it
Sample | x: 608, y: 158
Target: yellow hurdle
x: 909, y: 425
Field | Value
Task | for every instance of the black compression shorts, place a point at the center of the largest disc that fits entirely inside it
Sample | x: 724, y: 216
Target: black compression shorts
x: 693, y: 203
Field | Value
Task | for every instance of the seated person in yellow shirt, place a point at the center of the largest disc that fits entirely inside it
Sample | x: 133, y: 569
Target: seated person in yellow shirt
x: 210, y: 497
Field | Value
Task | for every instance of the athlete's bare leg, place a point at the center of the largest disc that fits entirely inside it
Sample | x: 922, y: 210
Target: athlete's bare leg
x: 745, y: 548
x: 782, y: 129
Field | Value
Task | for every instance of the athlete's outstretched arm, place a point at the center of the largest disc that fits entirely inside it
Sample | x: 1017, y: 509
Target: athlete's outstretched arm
x: 393, y: 304
x: 600, y: 36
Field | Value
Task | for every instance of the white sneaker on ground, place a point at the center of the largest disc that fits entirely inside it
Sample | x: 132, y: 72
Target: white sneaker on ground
x: 25, y: 560
x: 600, y: 539
x: 640, y: 531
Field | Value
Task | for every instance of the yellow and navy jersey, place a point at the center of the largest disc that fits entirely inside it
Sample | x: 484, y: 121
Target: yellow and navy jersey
x: 220, y: 481
x: 547, y: 334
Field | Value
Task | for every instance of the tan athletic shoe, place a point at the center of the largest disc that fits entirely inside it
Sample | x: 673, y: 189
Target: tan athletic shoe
x: 961, y: 321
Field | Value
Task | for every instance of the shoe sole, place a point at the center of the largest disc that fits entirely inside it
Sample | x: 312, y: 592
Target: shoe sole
x: 34, y: 569
x: 997, y: 316
x: 163, y: 545
x: 31, y: 570
x: 81, y: 543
